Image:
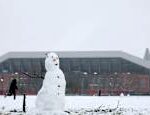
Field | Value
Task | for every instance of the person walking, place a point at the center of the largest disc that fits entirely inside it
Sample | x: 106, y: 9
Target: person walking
x: 13, y: 88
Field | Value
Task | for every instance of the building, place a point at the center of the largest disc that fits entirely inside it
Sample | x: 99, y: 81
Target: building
x: 87, y: 72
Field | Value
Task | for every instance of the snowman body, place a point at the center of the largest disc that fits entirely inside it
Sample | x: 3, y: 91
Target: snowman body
x: 51, y: 96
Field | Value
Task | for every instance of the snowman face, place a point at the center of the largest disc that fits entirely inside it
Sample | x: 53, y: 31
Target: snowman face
x: 52, y: 61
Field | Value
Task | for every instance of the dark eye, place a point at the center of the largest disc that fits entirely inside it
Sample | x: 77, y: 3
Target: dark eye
x: 46, y: 54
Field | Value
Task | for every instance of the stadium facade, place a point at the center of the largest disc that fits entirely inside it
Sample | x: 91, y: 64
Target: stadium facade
x: 87, y: 72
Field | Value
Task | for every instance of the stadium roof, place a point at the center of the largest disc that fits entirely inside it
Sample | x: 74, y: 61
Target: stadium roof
x: 147, y: 55
x: 80, y: 54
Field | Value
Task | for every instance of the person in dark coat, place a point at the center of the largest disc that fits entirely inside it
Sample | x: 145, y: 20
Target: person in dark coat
x: 99, y: 93
x: 13, y: 88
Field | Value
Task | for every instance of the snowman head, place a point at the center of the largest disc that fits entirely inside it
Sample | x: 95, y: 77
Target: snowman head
x: 51, y: 61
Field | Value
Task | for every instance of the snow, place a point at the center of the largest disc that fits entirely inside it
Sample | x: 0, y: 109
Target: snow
x: 123, y: 105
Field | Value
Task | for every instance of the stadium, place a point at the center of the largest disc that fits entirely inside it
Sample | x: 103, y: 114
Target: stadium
x: 86, y: 72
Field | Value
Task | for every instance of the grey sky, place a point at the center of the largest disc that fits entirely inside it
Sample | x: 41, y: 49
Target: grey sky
x: 43, y: 25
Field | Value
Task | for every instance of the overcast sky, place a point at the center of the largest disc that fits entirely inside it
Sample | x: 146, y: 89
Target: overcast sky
x: 47, y: 25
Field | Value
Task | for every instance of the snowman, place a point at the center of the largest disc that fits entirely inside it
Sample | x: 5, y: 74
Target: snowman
x: 51, y: 97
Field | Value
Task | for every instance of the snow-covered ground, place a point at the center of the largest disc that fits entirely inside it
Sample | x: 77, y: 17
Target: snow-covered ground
x: 87, y: 105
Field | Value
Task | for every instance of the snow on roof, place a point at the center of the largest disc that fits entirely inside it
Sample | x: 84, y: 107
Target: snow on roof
x: 79, y: 54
